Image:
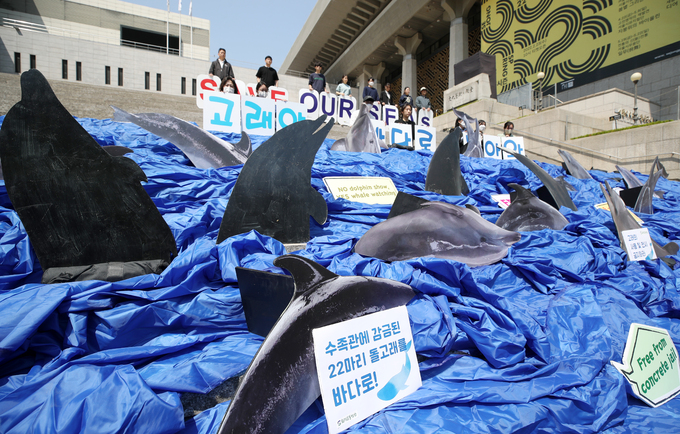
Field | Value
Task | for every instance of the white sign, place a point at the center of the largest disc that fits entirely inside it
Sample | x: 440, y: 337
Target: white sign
x: 346, y: 105
x: 425, y: 117
x: 310, y: 98
x: 241, y: 87
x: 426, y: 138
x: 364, y: 365
x: 329, y: 105
x: 650, y: 364
x: 401, y: 134
x: 251, y: 89
x: 376, y: 111
x: 257, y: 115
x: 491, y: 144
x: 638, y: 244
x: 278, y: 93
x: 503, y: 200
x: 390, y: 114
x: 515, y: 144
x: 222, y: 112
x: 206, y: 83
x: 288, y: 113
x: 380, y: 130
x: 364, y: 189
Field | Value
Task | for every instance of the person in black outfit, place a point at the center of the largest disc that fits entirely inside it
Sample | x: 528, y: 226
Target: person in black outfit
x: 406, y: 119
x: 386, y: 96
x: 406, y: 98
x: 221, y: 67
x: 317, y: 81
x: 267, y: 74
x: 370, y: 90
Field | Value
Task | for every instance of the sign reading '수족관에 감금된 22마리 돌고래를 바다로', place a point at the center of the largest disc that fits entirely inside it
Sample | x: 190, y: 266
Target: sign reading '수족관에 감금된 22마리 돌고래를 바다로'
x: 364, y: 365
x: 650, y: 364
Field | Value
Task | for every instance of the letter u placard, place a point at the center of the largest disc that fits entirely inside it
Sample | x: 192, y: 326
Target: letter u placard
x: 257, y: 116
x: 310, y: 98
x: 222, y: 112
x: 329, y: 106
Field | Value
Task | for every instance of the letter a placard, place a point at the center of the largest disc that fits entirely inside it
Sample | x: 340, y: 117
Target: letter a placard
x: 650, y: 364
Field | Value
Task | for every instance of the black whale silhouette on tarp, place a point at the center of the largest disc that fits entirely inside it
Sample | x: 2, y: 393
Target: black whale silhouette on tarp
x: 281, y: 381
x: 273, y: 193
x: 86, y: 213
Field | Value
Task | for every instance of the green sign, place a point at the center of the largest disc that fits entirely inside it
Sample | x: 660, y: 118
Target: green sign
x: 650, y: 364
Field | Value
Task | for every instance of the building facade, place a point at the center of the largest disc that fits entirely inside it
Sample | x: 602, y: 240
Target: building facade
x: 105, y: 42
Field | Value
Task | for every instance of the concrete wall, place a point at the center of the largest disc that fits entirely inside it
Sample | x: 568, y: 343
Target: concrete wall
x: 602, y: 105
x: 659, y: 85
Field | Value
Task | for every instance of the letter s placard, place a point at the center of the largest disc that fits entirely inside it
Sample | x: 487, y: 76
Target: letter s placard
x: 206, y: 83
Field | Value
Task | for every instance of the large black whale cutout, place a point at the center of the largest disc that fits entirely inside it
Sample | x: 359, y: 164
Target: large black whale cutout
x: 281, y: 381
x: 86, y: 213
x: 273, y: 193
x: 444, y: 175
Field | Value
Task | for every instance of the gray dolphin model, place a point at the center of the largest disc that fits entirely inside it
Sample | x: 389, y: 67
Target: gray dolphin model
x: 281, y: 381
x: 643, y: 204
x: 444, y: 175
x: 557, y: 190
x: 632, y: 181
x: 205, y: 150
x: 273, y: 192
x: 473, y: 148
x: 625, y: 222
x: 439, y: 230
x: 529, y: 213
x: 361, y: 136
x: 572, y: 166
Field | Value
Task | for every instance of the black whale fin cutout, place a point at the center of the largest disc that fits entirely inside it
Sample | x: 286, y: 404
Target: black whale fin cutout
x: 444, y: 175
x: 265, y: 296
x: 117, y: 151
x: 203, y: 149
x: 281, y: 381
x: 273, y: 193
x: 404, y: 203
x: 557, y: 191
x: 80, y: 206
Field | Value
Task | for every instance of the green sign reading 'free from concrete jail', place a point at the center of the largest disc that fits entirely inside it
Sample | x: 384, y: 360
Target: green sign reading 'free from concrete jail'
x: 650, y: 364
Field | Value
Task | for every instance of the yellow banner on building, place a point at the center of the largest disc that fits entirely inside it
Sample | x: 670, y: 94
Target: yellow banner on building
x: 572, y: 40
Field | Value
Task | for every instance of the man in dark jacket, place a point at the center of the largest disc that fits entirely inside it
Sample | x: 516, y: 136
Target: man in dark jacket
x: 370, y: 90
x: 221, y: 67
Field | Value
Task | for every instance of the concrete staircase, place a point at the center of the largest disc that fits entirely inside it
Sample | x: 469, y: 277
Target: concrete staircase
x: 91, y: 101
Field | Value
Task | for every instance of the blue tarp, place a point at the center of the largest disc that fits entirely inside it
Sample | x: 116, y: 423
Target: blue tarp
x: 523, y: 345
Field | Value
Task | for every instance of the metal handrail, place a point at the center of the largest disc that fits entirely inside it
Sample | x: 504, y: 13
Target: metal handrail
x: 592, y: 151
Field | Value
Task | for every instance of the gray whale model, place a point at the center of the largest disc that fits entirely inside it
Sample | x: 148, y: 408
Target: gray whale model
x: 572, y: 166
x: 529, y: 213
x: 439, y: 230
x: 281, y: 381
x: 205, y: 150
x: 361, y: 136
x: 625, y: 222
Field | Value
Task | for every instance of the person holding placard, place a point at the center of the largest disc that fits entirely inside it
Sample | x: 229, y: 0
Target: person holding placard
x: 317, y: 81
x: 262, y: 90
x: 370, y: 90
x: 422, y: 101
x: 406, y: 119
x: 405, y: 98
x: 386, y: 95
x: 343, y: 88
x: 267, y: 74
x: 221, y: 67
x: 228, y: 85
x: 508, y: 129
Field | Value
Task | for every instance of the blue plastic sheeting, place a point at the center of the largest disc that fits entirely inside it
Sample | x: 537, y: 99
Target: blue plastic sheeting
x: 523, y: 345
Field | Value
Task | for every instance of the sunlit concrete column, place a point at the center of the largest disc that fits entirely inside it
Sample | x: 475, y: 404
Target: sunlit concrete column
x: 376, y: 72
x: 409, y: 67
x: 454, y: 12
